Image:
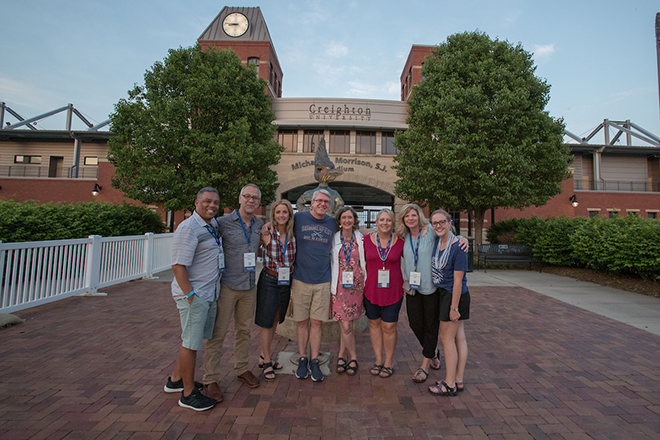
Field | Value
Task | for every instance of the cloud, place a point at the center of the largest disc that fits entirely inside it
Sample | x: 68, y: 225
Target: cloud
x: 24, y: 95
x: 336, y: 50
x: 388, y: 90
x: 544, y: 51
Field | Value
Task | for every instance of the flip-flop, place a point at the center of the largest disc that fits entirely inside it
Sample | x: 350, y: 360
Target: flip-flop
x: 386, y: 372
x: 351, y: 369
x: 269, y: 372
x: 375, y: 369
x: 417, y: 374
x: 276, y: 365
x: 442, y: 389
x: 341, y: 365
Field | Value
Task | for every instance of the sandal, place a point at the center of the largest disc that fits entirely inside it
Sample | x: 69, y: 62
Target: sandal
x: 442, y: 389
x: 418, y: 378
x: 386, y: 372
x: 276, y: 365
x: 376, y: 369
x: 436, y: 358
x: 341, y: 365
x: 460, y: 387
x: 269, y: 372
x: 351, y: 369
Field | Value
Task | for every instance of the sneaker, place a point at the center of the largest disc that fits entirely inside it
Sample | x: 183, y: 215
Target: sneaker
x: 177, y: 387
x: 317, y: 374
x: 196, y: 401
x: 302, y: 372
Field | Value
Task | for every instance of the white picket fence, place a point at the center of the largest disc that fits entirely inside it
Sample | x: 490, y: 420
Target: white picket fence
x: 39, y: 272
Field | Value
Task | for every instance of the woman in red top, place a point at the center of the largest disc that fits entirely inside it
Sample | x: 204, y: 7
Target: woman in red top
x: 383, y: 290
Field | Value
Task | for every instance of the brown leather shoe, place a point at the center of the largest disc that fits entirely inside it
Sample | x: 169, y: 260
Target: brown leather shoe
x: 213, y: 391
x: 249, y: 379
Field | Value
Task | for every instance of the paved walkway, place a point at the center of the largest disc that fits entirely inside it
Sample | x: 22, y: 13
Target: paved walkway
x: 539, y: 367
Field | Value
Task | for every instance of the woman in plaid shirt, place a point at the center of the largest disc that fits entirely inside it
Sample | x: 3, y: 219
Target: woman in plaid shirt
x: 274, y: 285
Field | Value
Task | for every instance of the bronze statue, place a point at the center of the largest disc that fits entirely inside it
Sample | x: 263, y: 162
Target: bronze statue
x: 324, y: 173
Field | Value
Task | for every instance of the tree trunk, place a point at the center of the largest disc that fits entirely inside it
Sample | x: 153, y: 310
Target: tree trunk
x: 479, y: 225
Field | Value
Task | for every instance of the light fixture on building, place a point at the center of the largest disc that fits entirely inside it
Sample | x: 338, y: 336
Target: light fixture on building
x: 574, y: 201
x: 97, y: 188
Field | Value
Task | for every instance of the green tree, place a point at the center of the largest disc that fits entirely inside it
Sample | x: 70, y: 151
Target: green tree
x: 479, y: 137
x: 201, y: 119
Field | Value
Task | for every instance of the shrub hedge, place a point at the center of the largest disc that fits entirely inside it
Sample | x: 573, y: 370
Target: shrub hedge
x: 617, y: 245
x: 30, y: 221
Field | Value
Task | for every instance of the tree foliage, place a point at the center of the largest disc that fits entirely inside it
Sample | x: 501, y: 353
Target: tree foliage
x: 201, y: 119
x: 479, y: 136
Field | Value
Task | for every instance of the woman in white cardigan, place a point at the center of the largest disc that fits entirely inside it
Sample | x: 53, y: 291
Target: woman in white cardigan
x: 348, y: 275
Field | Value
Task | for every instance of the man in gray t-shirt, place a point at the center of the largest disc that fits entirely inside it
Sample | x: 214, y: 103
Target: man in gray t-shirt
x: 241, y: 232
x: 197, y: 263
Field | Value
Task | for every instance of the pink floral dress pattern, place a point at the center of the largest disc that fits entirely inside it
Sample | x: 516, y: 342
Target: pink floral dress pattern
x: 347, y: 303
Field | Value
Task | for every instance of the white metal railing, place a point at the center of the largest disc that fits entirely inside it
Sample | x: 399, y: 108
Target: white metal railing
x: 39, y: 272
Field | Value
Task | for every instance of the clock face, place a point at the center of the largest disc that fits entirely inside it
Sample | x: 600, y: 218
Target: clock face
x: 235, y: 24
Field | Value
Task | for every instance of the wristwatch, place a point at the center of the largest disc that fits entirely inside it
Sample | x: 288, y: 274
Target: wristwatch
x: 454, y: 310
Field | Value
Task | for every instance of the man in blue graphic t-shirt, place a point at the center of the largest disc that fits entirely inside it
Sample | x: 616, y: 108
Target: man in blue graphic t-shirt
x: 310, y: 288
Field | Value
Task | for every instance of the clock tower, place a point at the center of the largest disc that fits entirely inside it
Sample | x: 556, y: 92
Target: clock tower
x: 244, y: 31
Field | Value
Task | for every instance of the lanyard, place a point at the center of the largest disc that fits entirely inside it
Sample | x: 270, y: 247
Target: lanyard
x: 247, y: 237
x: 350, y: 248
x: 214, y: 234
x: 383, y: 256
x: 282, y: 249
x: 416, y: 249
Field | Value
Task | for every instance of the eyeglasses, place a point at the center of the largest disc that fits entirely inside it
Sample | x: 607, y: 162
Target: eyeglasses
x: 440, y: 222
x: 327, y: 202
x: 252, y: 198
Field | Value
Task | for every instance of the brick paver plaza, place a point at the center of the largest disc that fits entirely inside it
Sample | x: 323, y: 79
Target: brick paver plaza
x: 94, y: 368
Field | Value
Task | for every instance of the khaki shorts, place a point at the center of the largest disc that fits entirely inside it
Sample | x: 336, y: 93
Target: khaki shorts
x: 310, y: 301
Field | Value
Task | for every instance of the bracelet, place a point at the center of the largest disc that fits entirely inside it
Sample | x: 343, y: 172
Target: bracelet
x: 192, y: 292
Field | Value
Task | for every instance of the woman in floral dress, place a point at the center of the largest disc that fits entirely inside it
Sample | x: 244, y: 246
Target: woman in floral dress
x: 348, y: 275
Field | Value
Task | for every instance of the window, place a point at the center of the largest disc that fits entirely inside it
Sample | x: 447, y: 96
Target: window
x: 254, y: 61
x: 311, y: 136
x: 89, y: 160
x: 611, y: 213
x: 653, y: 215
x: 27, y: 159
x: 365, y: 142
x: 340, y: 141
x: 633, y: 213
x: 593, y: 214
x: 288, y: 139
x: 388, y: 144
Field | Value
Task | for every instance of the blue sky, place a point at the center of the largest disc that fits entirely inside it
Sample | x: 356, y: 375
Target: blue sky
x: 599, y: 57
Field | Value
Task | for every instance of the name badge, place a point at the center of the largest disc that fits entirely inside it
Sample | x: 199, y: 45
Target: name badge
x: 384, y: 278
x: 347, y: 280
x: 415, y: 280
x: 249, y: 262
x: 221, y: 262
x: 283, y: 276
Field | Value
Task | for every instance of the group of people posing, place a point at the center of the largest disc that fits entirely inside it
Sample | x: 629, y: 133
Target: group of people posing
x: 318, y: 268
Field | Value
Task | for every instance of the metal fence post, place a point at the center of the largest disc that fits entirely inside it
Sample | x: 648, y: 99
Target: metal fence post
x: 93, y: 270
x: 149, y: 256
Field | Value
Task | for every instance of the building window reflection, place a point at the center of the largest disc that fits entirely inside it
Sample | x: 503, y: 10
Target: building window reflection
x: 388, y: 144
x: 289, y: 140
x: 365, y: 142
x: 311, y: 136
x: 340, y: 141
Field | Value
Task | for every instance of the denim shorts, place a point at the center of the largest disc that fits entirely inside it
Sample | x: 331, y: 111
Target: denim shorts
x: 271, y: 297
x: 384, y: 313
x: 197, y: 321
